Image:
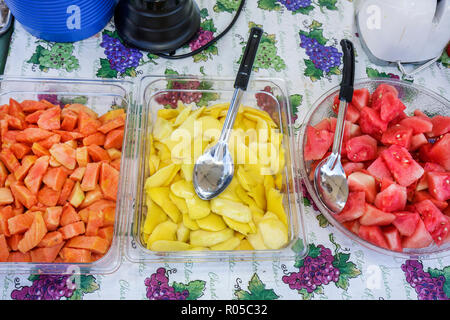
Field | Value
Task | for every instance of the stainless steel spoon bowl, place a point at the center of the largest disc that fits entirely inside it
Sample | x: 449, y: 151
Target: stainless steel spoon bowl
x: 214, y: 170
x: 330, y: 180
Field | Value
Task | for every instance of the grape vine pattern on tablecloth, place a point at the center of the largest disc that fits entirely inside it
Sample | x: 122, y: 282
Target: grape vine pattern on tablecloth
x: 256, y: 290
x: 266, y: 57
x: 158, y: 287
x: 431, y: 285
x: 323, y: 60
x: 52, y: 55
x: 296, y: 6
x: 374, y: 73
x: 203, y: 36
x: 56, y: 287
x: 120, y: 60
x: 268, y: 103
x: 170, y: 99
x: 320, y: 268
x: 445, y: 57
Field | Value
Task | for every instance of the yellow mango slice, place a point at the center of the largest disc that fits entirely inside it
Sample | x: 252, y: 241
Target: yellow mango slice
x: 256, y: 241
x: 269, y: 183
x: 162, y: 129
x: 164, y: 231
x: 230, y: 192
x: 240, y: 227
x: 180, y: 203
x: 197, y: 208
x: 274, y: 232
x: 244, y: 245
x: 248, y: 124
x: 183, y: 233
x: 168, y: 114
x: 258, y: 193
x: 199, y: 249
x: 229, y: 244
x: 279, y: 181
x: 182, y: 116
x: 162, y: 177
x: 169, y: 245
x: 163, y: 153
x: 257, y: 114
x: 275, y: 204
x: 211, y: 222
x: 202, y: 238
x: 153, y: 162
x: 183, y: 189
x: 155, y: 215
x: 161, y: 196
x: 244, y: 178
x: 239, y: 235
x: 187, y: 171
x: 189, y: 223
x: 231, y: 209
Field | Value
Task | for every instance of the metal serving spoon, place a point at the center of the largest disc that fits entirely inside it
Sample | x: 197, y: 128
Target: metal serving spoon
x: 330, y: 180
x: 214, y: 169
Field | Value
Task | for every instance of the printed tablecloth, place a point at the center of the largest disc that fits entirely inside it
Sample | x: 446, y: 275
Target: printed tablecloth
x: 336, y: 267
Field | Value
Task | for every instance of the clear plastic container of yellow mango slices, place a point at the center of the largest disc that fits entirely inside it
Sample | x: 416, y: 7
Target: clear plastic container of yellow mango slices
x: 258, y: 216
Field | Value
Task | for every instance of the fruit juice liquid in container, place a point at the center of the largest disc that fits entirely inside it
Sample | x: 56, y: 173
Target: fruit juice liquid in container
x: 62, y: 20
x: 101, y: 96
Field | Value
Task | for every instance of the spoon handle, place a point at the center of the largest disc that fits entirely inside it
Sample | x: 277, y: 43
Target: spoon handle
x: 241, y: 81
x: 345, y: 94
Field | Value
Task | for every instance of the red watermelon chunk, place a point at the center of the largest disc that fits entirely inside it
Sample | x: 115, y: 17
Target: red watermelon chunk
x: 417, y: 124
x: 393, y: 238
x: 417, y: 141
x: 391, y: 199
x: 350, y: 167
x: 359, y: 181
x: 406, y: 222
x: 439, y: 185
x: 361, y: 98
x: 374, y: 235
x: 403, y: 167
x: 440, y: 152
x: 379, y: 92
x: 421, y: 238
x: 362, y: 148
x: 379, y: 170
x: 398, y: 135
x: 419, y: 196
x: 390, y: 107
x: 352, y: 113
x: 354, y: 208
x: 317, y: 143
x: 371, y: 123
x: 441, y: 125
x: 374, y: 217
x: 325, y: 124
x: 434, y: 220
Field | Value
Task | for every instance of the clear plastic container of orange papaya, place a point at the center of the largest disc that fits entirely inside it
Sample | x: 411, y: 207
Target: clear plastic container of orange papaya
x: 260, y: 214
x: 63, y: 173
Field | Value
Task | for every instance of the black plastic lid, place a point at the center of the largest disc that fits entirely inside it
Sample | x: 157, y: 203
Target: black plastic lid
x: 157, y: 26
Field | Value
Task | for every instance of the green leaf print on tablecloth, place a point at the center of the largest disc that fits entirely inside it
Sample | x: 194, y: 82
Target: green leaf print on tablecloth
x: 56, y: 287
x: 52, y: 55
x: 226, y: 5
x: 121, y: 61
x: 319, y: 268
x: 266, y: 57
x: 323, y: 60
x: 445, y: 59
x: 158, y: 288
x: 256, y: 291
x: 296, y: 6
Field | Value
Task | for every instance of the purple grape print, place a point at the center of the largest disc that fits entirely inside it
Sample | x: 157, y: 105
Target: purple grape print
x: 171, y: 98
x: 294, y: 5
x: 158, y: 287
x: 320, y: 268
x: 202, y: 38
x: 119, y: 56
x: 47, y: 287
x: 427, y: 287
x: 314, y: 272
x: 324, y: 58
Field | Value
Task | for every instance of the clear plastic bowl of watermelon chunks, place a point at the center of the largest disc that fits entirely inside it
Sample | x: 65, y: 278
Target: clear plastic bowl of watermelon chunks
x: 63, y: 174
x: 396, y: 155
